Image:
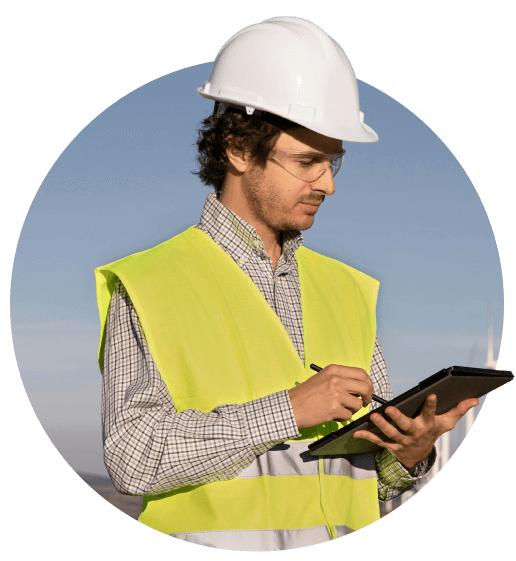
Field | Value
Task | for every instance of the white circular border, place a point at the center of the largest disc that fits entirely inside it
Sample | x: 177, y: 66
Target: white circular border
x: 359, y: 534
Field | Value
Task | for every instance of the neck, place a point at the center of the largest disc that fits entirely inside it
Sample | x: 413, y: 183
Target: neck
x: 272, y: 239
x: 273, y: 242
x: 273, y: 247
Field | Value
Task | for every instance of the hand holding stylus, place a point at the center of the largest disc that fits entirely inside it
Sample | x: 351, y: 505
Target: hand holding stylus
x: 374, y: 397
x: 332, y: 394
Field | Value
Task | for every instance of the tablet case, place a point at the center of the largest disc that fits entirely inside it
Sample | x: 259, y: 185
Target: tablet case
x: 451, y: 385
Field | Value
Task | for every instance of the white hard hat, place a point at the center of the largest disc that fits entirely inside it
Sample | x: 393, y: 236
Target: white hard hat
x: 290, y: 67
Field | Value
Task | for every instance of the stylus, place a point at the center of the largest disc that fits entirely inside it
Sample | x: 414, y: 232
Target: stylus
x: 375, y: 397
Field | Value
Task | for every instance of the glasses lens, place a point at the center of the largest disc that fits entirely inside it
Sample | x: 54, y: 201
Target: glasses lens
x: 309, y: 166
x: 336, y: 164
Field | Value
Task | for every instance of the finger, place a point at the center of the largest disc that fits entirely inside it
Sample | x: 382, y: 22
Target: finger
x: 379, y: 439
x: 455, y: 414
x: 340, y: 387
x: 351, y: 402
x: 448, y: 421
x: 406, y: 424
x: 386, y: 428
x: 464, y: 406
x: 357, y: 388
x: 347, y: 372
x: 428, y: 412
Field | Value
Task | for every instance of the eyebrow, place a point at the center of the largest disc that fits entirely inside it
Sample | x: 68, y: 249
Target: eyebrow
x: 317, y: 153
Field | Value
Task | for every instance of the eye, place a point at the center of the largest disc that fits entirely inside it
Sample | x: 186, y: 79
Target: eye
x: 309, y: 162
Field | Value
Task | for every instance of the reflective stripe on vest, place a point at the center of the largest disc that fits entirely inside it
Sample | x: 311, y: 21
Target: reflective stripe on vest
x: 262, y: 540
x: 294, y: 458
x: 215, y: 340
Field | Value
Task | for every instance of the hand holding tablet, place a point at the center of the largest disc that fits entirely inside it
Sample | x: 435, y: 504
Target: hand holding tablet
x: 415, y: 416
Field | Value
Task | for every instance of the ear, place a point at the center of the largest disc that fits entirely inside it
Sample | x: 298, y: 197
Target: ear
x: 237, y: 158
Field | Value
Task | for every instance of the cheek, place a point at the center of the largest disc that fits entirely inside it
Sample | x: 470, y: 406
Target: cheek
x: 289, y: 190
x: 295, y: 194
x: 283, y: 190
x: 288, y: 200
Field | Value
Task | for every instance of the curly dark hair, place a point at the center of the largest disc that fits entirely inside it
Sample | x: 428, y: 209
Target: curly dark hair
x: 251, y: 133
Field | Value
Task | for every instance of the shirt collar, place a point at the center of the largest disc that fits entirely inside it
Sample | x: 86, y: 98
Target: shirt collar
x: 235, y: 235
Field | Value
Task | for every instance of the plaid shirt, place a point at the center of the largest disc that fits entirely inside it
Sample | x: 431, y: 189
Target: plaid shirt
x: 149, y: 448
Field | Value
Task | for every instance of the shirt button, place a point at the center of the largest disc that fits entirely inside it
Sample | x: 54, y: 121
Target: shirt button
x: 241, y: 260
x: 289, y: 333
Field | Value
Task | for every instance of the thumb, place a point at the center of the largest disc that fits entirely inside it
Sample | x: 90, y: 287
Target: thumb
x: 451, y: 418
x: 462, y: 408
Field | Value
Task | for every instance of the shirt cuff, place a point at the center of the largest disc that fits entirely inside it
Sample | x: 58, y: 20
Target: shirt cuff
x: 270, y: 420
x: 424, y: 466
x: 392, y: 473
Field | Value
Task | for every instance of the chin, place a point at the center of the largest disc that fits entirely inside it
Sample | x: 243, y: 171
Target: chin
x: 303, y: 223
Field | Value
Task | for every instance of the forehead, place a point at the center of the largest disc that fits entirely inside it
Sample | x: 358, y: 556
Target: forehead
x: 305, y: 140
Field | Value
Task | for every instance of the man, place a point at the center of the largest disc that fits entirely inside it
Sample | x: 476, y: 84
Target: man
x: 209, y: 402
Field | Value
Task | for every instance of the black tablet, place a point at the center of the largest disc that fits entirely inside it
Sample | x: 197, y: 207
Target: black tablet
x: 451, y: 386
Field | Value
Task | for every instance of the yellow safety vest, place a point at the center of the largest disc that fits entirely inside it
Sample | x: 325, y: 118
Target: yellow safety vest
x: 215, y: 341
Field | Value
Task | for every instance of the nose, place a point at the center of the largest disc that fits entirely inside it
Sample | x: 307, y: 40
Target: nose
x: 325, y: 183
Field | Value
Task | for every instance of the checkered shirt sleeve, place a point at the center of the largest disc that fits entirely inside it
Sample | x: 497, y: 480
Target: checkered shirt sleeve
x: 149, y: 448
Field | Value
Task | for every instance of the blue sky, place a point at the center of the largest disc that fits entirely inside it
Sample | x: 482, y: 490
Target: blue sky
x: 404, y: 212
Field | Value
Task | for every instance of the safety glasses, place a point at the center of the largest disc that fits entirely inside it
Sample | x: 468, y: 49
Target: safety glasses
x: 307, y: 166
